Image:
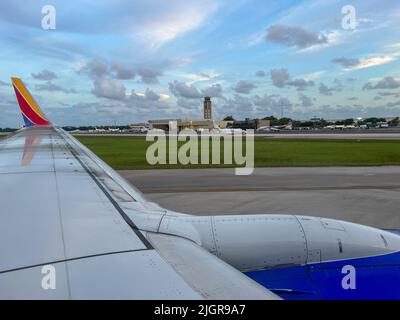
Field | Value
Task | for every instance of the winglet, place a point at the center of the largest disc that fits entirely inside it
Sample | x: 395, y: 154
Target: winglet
x: 31, y: 112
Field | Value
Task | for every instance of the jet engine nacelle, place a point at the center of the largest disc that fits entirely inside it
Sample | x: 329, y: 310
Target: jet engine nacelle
x: 252, y: 242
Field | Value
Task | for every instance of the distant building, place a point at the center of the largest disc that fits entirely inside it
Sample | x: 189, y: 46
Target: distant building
x: 207, y: 108
x: 180, y: 124
x: 165, y: 124
x: 138, y: 127
x: 201, y: 124
x: 250, y: 124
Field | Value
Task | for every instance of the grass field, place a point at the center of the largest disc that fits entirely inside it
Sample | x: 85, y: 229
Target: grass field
x: 130, y: 152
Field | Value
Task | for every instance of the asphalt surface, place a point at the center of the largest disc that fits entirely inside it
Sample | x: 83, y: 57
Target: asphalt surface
x: 366, y: 195
x: 370, y: 134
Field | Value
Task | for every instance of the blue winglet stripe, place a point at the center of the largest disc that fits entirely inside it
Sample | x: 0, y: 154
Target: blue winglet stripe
x: 27, y: 122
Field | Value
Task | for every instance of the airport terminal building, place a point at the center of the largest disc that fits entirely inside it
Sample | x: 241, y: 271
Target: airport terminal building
x: 206, y: 123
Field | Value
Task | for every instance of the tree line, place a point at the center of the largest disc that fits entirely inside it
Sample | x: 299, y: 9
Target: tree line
x: 320, y: 123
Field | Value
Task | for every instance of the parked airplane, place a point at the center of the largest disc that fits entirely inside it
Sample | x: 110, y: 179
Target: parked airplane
x: 227, y: 131
x: 72, y: 228
x: 268, y: 129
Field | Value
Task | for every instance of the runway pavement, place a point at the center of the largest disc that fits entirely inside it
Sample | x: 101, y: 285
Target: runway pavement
x: 371, y: 134
x: 367, y: 195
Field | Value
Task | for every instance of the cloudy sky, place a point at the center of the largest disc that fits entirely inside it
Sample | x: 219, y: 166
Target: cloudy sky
x: 129, y: 61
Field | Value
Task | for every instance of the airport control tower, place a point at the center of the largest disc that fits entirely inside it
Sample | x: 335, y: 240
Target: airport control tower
x: 207, y: 108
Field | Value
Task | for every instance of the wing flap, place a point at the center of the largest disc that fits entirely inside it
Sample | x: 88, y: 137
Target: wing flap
x: 136, y: 275
x: 205, y: 273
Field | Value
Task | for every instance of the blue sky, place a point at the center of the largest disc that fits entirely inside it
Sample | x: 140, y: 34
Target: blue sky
x: 129, y: 61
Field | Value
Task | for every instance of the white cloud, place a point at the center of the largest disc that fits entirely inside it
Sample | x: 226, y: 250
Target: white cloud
x: 179, y: 18
x: 373, y: 61
x: 313, y: 75
x: 197, y: 77
x: 255, y: 38
x: 164, y: 97
x: 109, y: 88
x: 393, y: 47
x: 152, y: 22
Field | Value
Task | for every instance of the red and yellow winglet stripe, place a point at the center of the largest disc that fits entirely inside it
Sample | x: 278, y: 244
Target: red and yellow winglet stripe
x: 30, y: 110
x: 29, y: 149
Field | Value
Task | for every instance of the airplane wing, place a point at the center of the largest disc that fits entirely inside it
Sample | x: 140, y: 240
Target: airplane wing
x: 68, y: 228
